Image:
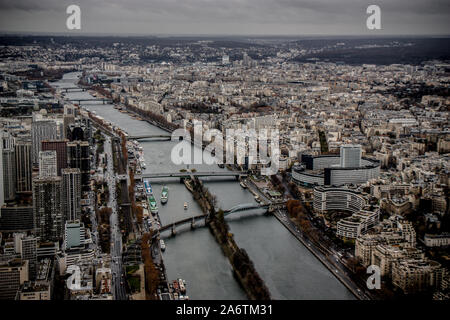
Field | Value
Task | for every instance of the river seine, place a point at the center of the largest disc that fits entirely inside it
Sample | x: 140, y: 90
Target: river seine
x: 289, y: 270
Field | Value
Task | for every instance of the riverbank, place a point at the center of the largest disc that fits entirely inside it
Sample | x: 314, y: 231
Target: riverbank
x: 322, y: 258
x: 243, y: 267
x: 313, y: 247
x: 229, y: 249
x: 311, y: 279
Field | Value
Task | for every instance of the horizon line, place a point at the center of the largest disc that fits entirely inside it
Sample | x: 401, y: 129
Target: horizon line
x: 156, y: 35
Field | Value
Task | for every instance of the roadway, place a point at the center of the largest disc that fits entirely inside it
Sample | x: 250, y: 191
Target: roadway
x: 195, y: 174
x: 92, y: 201
x: 331, y: 259
x: 117, y: 269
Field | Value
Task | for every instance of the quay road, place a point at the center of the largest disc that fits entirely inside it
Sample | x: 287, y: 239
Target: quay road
x: 330, y: 259
x: 116, y: 236
x: 92, y: 205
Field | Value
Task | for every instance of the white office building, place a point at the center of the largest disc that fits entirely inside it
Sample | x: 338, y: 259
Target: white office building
x: 42, y: 130
x: 350, y: 156
x: 48, y: 164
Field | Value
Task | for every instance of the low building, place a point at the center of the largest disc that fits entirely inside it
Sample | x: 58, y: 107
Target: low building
x: 394, y: 231
x: 357, y: 224
x: 437, y: 240
x: 385, y: 255
x: 73, y: 257
x: 416, y: 275
x: 103, y: 280
x: 13, y: 274
x: 34, y: 291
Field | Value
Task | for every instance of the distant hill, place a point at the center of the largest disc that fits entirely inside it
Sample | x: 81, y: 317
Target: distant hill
x: 371, y: 51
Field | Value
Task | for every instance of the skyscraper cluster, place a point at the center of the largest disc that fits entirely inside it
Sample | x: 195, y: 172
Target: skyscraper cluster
x: 44, y: 165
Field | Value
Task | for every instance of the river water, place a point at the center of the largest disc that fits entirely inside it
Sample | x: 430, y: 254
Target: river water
x: 289, y: 270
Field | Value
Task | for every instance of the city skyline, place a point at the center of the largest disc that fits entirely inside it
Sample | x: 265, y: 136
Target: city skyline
x: 295, y: 150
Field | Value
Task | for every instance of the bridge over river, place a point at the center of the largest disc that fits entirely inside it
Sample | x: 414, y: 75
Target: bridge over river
x: 151, y: 136
x: 238, y: 208
x: 187, y: 174
x: 103, y: 100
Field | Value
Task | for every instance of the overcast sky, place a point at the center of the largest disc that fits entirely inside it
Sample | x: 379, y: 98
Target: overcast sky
x: 229, y: 17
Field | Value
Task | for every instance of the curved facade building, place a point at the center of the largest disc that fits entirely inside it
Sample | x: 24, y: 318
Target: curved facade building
x: 357, y: 224
x: 327, y: 170
x: 343, y: 199
x: 346, y: 199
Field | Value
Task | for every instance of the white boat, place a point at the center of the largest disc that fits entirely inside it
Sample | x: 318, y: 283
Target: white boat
x: 185, y: 206
x: 163, y: 245
x: 164, y: 194
x: 181, y: 286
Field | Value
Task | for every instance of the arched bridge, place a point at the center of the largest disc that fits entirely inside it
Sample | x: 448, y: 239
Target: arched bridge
x: 251, y: 206
x: 238, y: 208
x: 244, y: 207
x: 184, y: 221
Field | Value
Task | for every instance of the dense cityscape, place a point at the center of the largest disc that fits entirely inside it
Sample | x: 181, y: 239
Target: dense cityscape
x: 93, y: 206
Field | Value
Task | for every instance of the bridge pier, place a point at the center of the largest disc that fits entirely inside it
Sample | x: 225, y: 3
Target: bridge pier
x: 193, y: 224
x: 173, y: 231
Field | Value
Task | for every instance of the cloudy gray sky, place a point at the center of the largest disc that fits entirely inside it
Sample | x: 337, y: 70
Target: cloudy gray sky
x: 237, y: 17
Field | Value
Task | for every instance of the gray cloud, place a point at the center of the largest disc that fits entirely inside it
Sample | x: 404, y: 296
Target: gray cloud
x: 227, y: 16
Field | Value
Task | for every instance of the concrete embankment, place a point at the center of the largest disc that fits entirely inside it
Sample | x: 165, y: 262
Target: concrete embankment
x: 320, y: 257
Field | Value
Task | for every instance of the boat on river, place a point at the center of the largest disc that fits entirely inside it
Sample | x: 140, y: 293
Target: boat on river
x: 164, y: 194
x: 148, y: 188
x: 152, y: 204
x: 150, y: 197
